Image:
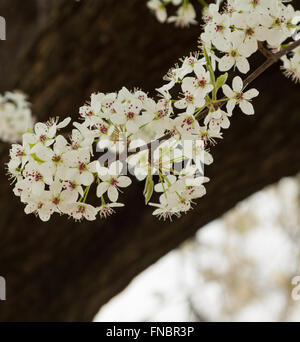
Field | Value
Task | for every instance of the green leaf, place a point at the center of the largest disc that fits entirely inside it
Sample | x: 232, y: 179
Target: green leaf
x: 221, y: 80
x: 37, y: 159
x: 149, y: 187
x: 211, y: 72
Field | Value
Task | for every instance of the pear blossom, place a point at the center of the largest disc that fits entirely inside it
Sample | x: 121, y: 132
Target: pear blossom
x: 210, y: 11
x: 218, y: 119
x: 195, y: 151
x: 112, y: 180
x: 250, y: 30
x: 141, y: 165
x: 106, y: 209
x: 185, y: 16
x: 78, y: 162
x: 164, y: 211
x: 259, y: 6
x: 15, y: 116
x: 219, y: 29
x: 80, y: 211
x: 208, y: 135
x: 282, y: 21
x: 60, y: 199
x: 189, y: 102
x: 198, y: 86
x: 190, y: 63
x: 234, y: 57
x: 40, y: 206
x: 159, y: 8
x: 161, y: 112
x: 186, y: 125
x: 291, y: 66
x: 237, y: 96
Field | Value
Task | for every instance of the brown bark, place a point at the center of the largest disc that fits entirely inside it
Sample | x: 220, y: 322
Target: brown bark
x: 65, y: 271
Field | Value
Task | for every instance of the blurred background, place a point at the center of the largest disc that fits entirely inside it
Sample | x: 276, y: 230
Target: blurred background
x: 237, y: 268
x: 239, y: 247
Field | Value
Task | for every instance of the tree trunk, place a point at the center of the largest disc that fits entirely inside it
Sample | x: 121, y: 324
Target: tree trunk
x: 65, y: 271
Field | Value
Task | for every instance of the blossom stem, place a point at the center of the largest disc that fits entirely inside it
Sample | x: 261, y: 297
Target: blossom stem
x: 203, y: 3
x: 87, y: 192
x: 162, y: 182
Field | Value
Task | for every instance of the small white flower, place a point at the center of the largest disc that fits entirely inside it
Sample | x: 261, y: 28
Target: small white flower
x: 159, y: 9
x: 40, y: 206
x: 219, y: 29
x: 234, y: 56
x: 164, y: 211
x: 45, y: 132
x: 195, y: 151
x: 38, y: 175
x: 198, y: 86
x: 291, y: 66
x: 186, y: 125
x: 106, y: 210
x: 79, y: 211
x: 237, y: 96
x: 112, y: 181
x: 217, y: 120
x: 78, y: 162
x: 185, y: 16
x: 15, y: 117
x: 251, y: 31
x: 61, y: 199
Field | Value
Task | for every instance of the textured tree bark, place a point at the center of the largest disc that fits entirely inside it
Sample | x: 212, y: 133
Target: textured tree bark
x: 65, y: 271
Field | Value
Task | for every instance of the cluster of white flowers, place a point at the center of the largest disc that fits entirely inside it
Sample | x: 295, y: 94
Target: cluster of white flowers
x: 164, y: 142
x: 50, y: 172
x: 15, y: 116
x: 54, y: 174
x: 236, y: 30
x: 185, y: 14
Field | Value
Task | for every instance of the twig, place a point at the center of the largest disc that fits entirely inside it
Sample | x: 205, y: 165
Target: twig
x: 266, y: 52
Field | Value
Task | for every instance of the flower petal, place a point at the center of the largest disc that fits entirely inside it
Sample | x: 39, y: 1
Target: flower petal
x: 113, y: 194
x: 247, y: 107
x: 248, y: 95
x: 226, y: 63
x: 230, y: 106
x: 102, y: 188
x: 237, y: 84
x: 115, y: 168
x: 243, y: 65
x: 124, y: 181
x: 86, y: 178
x: 227, y: 91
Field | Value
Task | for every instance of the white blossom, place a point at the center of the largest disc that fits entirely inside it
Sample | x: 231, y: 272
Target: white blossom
x: 112, y: 180
x: 15, y: 117
x: 237, y: 96
x: 185, y: 16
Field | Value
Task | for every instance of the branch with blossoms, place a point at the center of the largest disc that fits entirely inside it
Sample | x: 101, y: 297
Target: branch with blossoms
x: 165, y: 142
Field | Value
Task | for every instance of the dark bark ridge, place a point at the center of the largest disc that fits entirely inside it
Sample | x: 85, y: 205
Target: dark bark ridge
x: 65, y: 271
